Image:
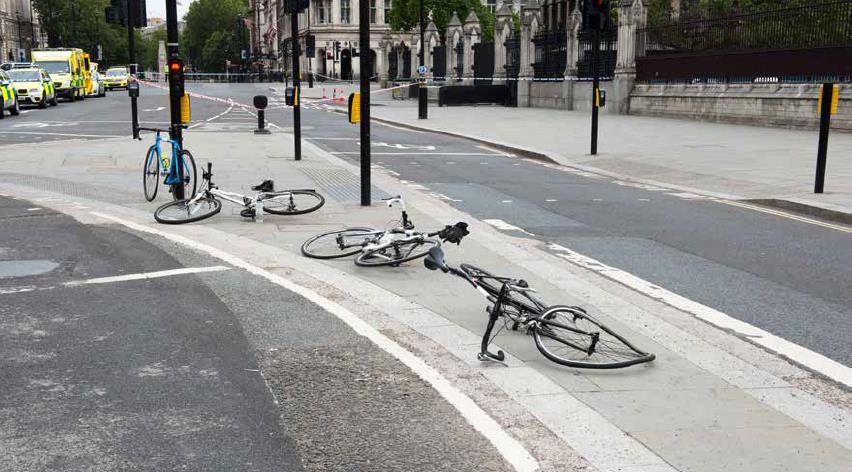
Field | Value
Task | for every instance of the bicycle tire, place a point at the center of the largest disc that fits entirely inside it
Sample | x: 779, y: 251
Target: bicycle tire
x: 378, y: 258
x: 151, y: 176
x: 191, y: 182
x: 314, y: 246
x: 611, y: 350
x: 203, y: 208
x: 292, y: 205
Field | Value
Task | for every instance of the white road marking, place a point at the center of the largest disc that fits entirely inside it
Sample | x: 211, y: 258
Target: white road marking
x: 509, y: 447
x: 33, y: 209
x: 354, y: 153
x: 507, y: 201
x: 405, y: 147
x: 495, y: 151
x: 550, y: 200
x: 333, y: 139
x: 796, y: 353
x: 148, y: 275
x: 789, y: 216
x: 63, y: 134
x: 155, y: 109
x: 502, y: 225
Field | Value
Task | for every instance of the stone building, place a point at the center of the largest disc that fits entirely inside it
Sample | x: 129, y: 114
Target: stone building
x: 20, y: 31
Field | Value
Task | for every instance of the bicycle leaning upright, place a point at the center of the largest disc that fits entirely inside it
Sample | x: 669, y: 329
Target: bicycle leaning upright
x: 160, y: 165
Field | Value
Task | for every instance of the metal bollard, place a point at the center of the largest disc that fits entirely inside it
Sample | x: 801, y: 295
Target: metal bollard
x: 261, y: 102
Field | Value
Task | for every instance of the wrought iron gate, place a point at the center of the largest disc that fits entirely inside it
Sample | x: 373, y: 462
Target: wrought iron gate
x: 513, y: 68
x: 607, y: 56
x: 439, y: 62
x: 393, y: 65
x: 459, y: 49
x: 483, y: 63
x: 406, y: 63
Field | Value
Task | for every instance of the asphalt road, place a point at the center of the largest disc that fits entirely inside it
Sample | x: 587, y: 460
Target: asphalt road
x: 788, y: 277
x: 212, y: 371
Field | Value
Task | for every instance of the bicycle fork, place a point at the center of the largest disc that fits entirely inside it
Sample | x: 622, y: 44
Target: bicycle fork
x: 493, y: 315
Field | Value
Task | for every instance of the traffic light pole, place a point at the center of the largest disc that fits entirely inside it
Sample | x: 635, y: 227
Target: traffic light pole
x: 131, y: 39
x: 423, y: 91
x: 596, y: 83
x: 175, y: 130
x: 297, y: 113
x: 364, y: 42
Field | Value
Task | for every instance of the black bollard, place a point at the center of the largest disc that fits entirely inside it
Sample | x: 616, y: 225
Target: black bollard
x: 261, y: 102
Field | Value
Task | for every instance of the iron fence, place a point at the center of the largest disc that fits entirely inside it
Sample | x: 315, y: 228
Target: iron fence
x: 551, y: 54
x: 606, y: 57
x: 812, y: 26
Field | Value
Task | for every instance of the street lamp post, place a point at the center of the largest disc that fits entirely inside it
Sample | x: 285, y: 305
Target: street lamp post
x: 20, y: 41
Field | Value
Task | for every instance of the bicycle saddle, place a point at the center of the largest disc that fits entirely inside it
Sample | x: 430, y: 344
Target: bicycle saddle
x: 265, y: 186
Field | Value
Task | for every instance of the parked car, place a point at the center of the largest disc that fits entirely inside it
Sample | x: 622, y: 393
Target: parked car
x: 98, y: 85
x: 8, y: 96
x: 117, y: 77
x: 34, y: 85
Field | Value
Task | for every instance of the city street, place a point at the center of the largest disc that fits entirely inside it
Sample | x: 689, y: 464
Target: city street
x: 252, y: 357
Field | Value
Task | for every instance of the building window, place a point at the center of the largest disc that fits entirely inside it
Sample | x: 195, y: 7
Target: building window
x: 388, y: 4
x: 492, y: 5
x: 374, y: 11
x: 324, y: 12
x: 345, y: 12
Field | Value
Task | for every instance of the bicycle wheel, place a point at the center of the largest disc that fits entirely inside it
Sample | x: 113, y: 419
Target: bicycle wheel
x: 151, y: 174
x: 182, y: 211
x: 571, y: 337
x: 189, y: 178
x: 293, y: 202
x: 327, y: 245
x: 395, y: 254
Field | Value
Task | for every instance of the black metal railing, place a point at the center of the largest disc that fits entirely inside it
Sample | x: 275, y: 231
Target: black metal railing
x: 459, y: 67
x: 812, y: 26
x: 551, y: 54
x: 513, y: 57
x: 606, y: 57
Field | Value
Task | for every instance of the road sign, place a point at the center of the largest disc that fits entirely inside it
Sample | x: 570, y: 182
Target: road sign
x: 422, y: 70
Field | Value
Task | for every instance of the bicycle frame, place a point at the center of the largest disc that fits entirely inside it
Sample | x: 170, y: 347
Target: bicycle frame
x: 168, y: 169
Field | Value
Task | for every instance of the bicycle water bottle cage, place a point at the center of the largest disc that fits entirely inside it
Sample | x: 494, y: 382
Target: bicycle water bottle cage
x: 265, y: 186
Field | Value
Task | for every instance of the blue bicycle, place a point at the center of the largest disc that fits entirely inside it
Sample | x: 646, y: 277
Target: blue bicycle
x: 158, y: 163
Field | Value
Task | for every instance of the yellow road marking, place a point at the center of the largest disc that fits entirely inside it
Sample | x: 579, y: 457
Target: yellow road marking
x: 789, y: 216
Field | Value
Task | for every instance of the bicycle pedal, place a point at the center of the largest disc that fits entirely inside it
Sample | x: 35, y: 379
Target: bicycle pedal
x: 247, y: 213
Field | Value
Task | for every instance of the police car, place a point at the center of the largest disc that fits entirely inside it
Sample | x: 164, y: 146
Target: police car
x: 8, y: 96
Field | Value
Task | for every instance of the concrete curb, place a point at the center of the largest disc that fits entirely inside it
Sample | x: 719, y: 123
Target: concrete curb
x: 804, y: 209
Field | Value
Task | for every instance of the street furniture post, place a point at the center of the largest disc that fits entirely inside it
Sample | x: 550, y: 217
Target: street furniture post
x: 297, y: 112
x: 176, y: 88
x: 364, y: 41
x: 260, y: 103
x: 423, y: 91
x: 828, y: 100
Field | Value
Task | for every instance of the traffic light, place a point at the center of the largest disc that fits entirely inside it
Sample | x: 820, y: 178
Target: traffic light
x: 176, y: 78
x: 310, y: 45
x: 596, y: 15
x: 296, y: 6
x: 117, y: 13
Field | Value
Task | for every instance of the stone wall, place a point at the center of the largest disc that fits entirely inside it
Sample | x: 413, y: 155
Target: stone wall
x: 787, y: 105
x: 569, y: 95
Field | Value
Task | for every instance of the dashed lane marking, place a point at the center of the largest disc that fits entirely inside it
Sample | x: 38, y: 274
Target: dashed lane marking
x: 148, y: 275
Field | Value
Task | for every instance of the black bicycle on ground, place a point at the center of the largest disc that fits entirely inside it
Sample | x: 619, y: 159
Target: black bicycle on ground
x: 567, y: 335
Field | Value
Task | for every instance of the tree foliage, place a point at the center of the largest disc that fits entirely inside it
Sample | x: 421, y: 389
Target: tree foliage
x: 215, y: 32
x: 82, y: 24
x: 660, y: 11
x: 405, y: 14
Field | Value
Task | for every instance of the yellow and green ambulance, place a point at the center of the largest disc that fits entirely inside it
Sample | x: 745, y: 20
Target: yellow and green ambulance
x: 66, y: 68
x: 34, y: 85
x: 8, y: 97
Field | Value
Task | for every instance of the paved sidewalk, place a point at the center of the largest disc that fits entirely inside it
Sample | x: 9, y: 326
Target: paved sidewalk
x: 732, y: 161
x: 711, y: 402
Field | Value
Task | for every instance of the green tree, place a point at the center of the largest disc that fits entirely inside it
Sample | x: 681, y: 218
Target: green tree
x: 149, y: 49
x: 82, y: 24
x: 405, y: 14
x: 215, y: 32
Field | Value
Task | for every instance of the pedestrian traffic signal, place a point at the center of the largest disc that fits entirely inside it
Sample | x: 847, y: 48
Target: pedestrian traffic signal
x: 310, y: 45
x: 596, y: 14
x: 296, y: 6
x: 176, y: 78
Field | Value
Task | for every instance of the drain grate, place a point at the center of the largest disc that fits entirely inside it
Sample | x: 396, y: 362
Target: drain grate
x: 341, y: 185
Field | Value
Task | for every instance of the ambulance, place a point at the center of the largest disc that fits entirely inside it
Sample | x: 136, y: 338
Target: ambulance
x: 67, y: 69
